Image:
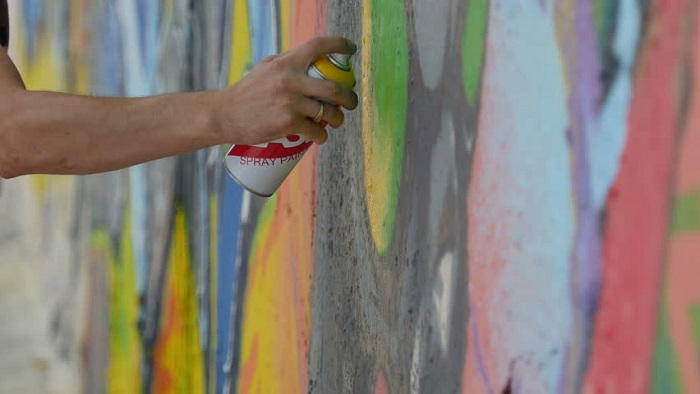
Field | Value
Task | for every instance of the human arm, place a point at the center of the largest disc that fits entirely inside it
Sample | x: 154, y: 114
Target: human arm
x: 56, y: 133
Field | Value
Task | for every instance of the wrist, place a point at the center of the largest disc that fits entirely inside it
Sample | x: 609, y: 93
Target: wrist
x: 208, y: 115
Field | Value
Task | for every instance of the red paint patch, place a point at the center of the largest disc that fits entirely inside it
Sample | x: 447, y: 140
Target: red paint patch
x: 638, y: 212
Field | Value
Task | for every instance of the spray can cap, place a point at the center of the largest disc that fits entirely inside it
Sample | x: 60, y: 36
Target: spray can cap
x: 341, y: 60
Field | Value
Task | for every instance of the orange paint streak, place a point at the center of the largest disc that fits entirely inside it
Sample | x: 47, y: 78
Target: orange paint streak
x: 248, y: 369
x: 683, y: 268
x: 683, y: 291
x: 688, y: 176
x: 162, y: 377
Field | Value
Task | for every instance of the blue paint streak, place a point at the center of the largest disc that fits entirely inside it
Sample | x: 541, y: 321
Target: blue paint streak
x: 139, y: 222
x: 263, y: 22
x: 32, y: 12
x: 150, y: 20
x: 229, y: 226
x: 107, y: 64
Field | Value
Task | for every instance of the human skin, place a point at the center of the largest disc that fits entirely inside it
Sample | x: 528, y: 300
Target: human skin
x: 56, y: 133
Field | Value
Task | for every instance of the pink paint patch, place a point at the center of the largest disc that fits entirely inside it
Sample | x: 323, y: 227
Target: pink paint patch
x: 381, y: 387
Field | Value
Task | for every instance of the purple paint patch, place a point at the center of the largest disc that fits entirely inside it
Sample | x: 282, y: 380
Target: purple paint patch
x: 479, y: 357
x: 583, y: 63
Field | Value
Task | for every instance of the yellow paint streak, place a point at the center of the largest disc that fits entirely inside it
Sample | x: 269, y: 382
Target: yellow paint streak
x: 285, y: 15
x: 124, y: 366
x: 46, y: 71
x: 178, y: 359
x: 241, y: 50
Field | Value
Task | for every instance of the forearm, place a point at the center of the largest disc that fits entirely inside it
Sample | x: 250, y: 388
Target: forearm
x: 54, y: 133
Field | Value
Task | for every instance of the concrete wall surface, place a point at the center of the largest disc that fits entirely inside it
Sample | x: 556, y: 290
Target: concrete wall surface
x: 514, y: 207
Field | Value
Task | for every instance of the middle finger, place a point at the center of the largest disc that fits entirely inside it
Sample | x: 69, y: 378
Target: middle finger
x: 329, y: 90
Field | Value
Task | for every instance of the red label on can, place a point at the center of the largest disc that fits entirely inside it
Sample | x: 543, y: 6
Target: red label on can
x: 290, y: 146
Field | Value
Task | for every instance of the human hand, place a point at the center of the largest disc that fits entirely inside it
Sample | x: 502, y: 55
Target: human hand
x: 275, y: 99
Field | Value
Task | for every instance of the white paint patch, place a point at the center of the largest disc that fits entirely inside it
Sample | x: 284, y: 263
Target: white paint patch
x: 415, y: 360
x: 607, y: 143
x: 525, y: 379
x: 521, y: 217
x: 430, y: 18
x: 442, y: 175
x: 245, y: 207
x: 443, y: 299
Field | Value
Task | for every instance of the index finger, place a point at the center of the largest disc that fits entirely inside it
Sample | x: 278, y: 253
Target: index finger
x: 311, y: 50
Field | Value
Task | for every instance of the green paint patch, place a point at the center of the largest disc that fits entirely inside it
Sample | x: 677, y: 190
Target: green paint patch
x: 695, y: 323
x: 124, y: 339
x: 686, y: 213
x: 385, y: 91
x: 666, y: 377
x: 473, y: 44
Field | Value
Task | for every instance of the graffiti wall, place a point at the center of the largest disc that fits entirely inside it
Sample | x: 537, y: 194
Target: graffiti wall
x: 514, y: 207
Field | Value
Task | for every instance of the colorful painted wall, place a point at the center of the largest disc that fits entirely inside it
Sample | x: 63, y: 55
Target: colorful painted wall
x: 515, y: 206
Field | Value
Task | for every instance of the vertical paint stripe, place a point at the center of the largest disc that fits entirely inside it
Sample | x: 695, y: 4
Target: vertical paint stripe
x: 124, y: 373
x: 214, y: 316
x: 665, y: 378
x: 384, y: 105
x: 695, y: 324
x: 637, y: 207
x: 178, y: 361
x: 473, y: 46
x: 241, y: 48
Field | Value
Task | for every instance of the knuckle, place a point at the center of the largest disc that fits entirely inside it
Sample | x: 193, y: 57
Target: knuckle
x: 277, y: 63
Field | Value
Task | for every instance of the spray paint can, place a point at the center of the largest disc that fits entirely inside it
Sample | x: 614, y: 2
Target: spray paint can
x: 262, y: 168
